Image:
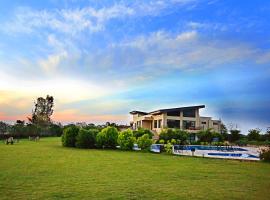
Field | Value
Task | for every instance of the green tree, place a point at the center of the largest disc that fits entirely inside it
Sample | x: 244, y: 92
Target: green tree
x: 3, y: 127
x: 254, y: 134
x: 126, y: 139
x: 235, y: 135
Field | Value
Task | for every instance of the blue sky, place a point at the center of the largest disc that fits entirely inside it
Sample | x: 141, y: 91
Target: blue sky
x: 102, y: 59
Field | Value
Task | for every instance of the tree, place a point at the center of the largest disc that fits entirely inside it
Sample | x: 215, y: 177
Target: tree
x: 254, y: 134
x: 126, y: 139
x: 235, y: 135
x: 3, y: 127
x: 42, y: 111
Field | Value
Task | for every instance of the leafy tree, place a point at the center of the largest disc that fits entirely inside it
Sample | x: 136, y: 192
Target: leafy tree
x: 42, y: 111
x: 266, y: 136
x: 235, y: 135
x: 55, y: 130
x: 107, y: 138
x: 86, y: 138
x: 144, y: 142
x: 126, y: 139
x: 3, y: 127
x: 254, y: 134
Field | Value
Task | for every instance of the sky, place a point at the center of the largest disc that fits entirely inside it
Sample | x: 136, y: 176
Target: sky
x: 101, y: 59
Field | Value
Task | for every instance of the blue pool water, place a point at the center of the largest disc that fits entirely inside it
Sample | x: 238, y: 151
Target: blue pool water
x: 202, y: 147
x: 233, y: 155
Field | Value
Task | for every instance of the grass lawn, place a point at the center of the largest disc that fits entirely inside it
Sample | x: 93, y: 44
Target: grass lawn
x: 46, y: 170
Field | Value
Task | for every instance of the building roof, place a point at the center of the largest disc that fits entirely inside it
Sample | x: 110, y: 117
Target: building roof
x: 167, y: 110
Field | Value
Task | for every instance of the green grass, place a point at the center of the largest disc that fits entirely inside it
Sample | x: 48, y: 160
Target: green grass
x: 46, y: 170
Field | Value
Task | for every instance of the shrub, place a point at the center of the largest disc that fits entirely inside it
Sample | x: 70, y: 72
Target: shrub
x: 161, y: 141
x: 107, y: 138
x: 126, y: 139
x: 176, y: 134
x: 69, y: 136
x: 144, y: 142
x: 141, y: 131
x: 173, y: 141
x: 242, y: 142
x: 265, y: 154
x: 86, y: 138
x: 168, y: 148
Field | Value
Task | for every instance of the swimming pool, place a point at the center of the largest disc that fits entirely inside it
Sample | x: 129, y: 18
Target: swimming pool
x: 208, y: 148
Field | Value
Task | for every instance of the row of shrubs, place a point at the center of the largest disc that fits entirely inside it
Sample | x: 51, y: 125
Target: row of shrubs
x: 108, y: 137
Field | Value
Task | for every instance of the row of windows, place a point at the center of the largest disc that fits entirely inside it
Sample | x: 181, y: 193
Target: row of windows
x: 171, y: 124
x: 186, y: 113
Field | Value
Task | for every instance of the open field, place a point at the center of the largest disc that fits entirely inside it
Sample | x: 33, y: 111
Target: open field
x: 46, y: 170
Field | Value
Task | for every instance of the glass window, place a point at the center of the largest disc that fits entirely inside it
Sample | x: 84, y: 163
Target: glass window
x: 173, y: 123
x: 155, y: 123
x: 159, y: 123
x: 215, y: 123
x: 188, y: 124
x: 173, y: 113
x: 189, y: 113
x: 203, y: 122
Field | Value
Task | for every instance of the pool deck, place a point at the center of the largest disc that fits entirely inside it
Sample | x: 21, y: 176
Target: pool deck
x: 204, y: 153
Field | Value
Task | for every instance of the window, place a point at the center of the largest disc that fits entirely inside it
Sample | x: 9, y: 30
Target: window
x: 138, y: 124
x: 189, y: 113
x: 215, y: 123
x: 203, y: 122
x: 173, y: 123
x: 188, y: 124
x: 155, y: 123
x: 173, y: 113
x: 159, y: 123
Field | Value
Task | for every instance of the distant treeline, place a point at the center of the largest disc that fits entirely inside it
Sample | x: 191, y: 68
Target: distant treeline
x: 23, y: 130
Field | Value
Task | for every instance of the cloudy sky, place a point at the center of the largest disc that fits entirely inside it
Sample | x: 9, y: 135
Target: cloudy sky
x: 101, y: 59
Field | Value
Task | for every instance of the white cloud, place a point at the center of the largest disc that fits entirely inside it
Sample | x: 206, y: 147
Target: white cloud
x: 69, y: 21
x: 76, y: 20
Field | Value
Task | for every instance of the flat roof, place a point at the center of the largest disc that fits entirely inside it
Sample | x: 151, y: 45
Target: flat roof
x: 168, y: 110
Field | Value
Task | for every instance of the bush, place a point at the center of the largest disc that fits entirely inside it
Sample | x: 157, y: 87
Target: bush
x: 141, y: 131
x: 144, y: 142
x: 126, y: 139
x: 86, y: 138
x: 161, y: 141
x: 107, y: 138
x: 168, y: 148
x: 265, y: 154
x: 242, y: 142
x: 176, y: 134
x: 69, y: 136
x: 173, y: 141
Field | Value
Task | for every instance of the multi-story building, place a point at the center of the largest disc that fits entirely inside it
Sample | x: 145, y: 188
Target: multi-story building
x: 186, y: 118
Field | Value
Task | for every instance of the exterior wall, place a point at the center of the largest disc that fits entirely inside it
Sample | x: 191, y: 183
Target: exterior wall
x: 215, y: 125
